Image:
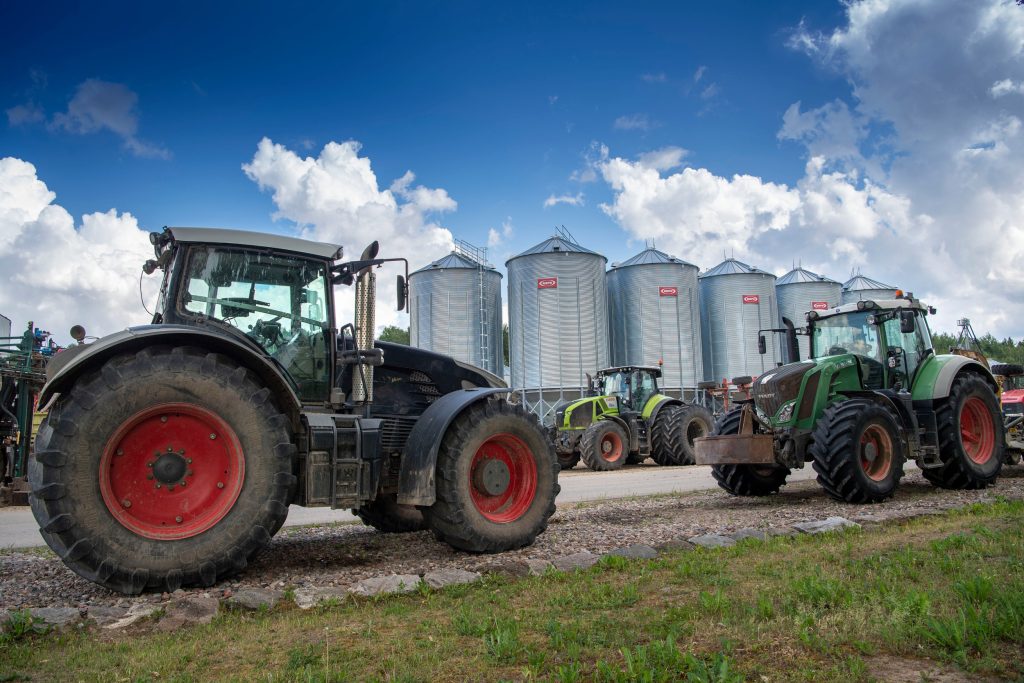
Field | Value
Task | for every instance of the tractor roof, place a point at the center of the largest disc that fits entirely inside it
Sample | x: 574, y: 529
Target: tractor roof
x: 264, y: 240
x: 868, y: 304
x: 654, y: 369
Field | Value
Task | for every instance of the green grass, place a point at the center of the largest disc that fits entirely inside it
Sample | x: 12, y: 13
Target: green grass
x: 944, y: 591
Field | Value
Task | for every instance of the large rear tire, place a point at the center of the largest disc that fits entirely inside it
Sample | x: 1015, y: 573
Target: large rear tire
x: 745, y: 480
x: 497, y: 478
x: 604, y: 446
x: 567, y: 461
x: 386, y: 515
x: 694, y: 423
x: 858, y: 452
x: 665, y: 436
x: 166, y: 468
x: 971, y: 437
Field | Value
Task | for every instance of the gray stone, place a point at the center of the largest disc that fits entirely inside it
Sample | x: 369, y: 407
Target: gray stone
x: 581, y: 560
x: 674, y: 544
x: 514, y: 568
x: 822, y: 526
x: 449, y: 577
x: 781, y: 532
x: 188, y: 610
x: 743, y: 534
x: 103, y: 615
x: 535, y: 567
x: 636, y: 551
x: 57, y: 617
x: 254, y: 599
x: 308, y: 598
x: 381, y: 585
x: 139, y: 610
x: 712, y: 541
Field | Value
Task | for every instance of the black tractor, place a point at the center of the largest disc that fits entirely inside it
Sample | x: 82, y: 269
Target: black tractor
x: 171, y: 451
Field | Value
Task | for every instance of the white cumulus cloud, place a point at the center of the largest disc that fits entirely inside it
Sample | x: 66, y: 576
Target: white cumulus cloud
x: 570, y: 199
x: 57, y: 274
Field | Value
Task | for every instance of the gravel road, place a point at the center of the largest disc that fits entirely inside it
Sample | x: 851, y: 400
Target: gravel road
x: 341, y: 554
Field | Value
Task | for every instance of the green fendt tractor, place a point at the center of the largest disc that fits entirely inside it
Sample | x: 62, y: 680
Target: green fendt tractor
x: 872, y: 395
x: 625, y: 419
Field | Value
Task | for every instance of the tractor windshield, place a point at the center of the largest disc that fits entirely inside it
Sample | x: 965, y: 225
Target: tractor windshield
x: 846, y: 333
x: 615, y: 385
x: 277, y: 301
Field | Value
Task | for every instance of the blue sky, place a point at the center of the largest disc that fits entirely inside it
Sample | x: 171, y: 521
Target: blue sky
x: 839, y: 135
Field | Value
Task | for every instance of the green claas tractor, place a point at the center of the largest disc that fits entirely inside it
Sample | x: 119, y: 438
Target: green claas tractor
x: 872, y: 395
x: 625, y: 419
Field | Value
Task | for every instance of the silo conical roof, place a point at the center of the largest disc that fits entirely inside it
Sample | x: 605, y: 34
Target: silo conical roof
x: 454, y: 260
x: 552, y: 245
x: 651, y: 256
x: 731, y: 266
x: 802, y: 275
x: 859, y: 282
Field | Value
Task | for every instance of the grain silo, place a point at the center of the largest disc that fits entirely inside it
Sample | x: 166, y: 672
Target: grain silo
x: 654, y: 316
x: 455, y: 308
x: 800, y: 291
x: 558, y: 321
x: 860, y: 287
x: 736, y: 301
x: 5, y: 326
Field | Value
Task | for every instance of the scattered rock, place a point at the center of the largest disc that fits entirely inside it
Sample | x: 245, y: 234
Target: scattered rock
x: 381, y: 585
x: 822, y: 526
x: 254, y: 599
x: 308, y: 598
x: 749, y: 532
x: 537, y: 567
x: 104, y: 616
x: 674, y: 544
x: 449, y: 577
x: 712, y: 541
x: 775, y: 531
x: 188, y: 610
x: 139, y: 610
x: 581, y: 560
x: 56, y: 617
x: 636, y: 551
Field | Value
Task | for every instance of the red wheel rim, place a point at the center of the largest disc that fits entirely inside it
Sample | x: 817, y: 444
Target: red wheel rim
x: 876, y: 452
x: 977, y: 433
x: 171, y: 471
x: 503, y: 478
x: 611, y: 447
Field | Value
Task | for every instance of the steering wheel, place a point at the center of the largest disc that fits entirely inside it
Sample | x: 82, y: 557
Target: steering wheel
x: 836, y: 350
x: 268, y: 330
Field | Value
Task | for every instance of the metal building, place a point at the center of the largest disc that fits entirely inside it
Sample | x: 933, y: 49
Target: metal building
x: 860, y: 287
x: 5, y: 326
x: 800, y: 291
x: 455, y: 308
x: 558, y: 321
x: 654, y: 316
x: 736, y: 301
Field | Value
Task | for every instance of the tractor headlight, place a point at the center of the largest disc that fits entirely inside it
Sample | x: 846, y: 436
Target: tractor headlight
x: 787, y: 412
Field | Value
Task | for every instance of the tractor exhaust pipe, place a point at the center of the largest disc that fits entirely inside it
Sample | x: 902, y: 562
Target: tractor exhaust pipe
x: 366, y: 321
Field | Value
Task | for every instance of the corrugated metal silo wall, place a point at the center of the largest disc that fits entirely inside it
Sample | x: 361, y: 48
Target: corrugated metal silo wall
x: 558, y: 319
x: 862, y: 294
x: 445, y: 310
x: 654, y: 314
x: 796, y: 299
x: 5, y: 326
x: 729, y: 325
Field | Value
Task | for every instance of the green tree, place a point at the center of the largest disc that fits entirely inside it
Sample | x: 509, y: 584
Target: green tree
x: 393, y: 333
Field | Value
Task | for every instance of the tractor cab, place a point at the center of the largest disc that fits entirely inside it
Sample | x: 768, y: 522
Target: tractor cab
x: 631, y: 386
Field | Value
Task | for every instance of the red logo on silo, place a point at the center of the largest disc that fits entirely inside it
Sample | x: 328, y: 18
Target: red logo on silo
x: 547, y: 283
x: 819, y: 305
x: 751, y: 298
x: 668, y: 291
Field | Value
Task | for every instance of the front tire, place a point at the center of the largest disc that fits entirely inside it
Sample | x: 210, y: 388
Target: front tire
x: 858, y: 452
x: 497, y: 478
x: 604, y: 446
x: 386, y: 515
x: 971, y: 437
x: 166, y: 468
x: 745, y: 480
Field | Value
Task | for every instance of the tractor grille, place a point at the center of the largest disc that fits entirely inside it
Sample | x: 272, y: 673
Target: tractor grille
x: 394, y: 433
x: 776, y: 387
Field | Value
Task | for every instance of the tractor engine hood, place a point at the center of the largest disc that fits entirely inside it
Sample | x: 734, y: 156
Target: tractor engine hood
x: 777, y: 387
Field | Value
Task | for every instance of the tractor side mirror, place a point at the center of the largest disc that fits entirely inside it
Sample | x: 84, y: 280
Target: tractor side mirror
x: 762, y: 345
x: 401, y: 291
x: 906, y: 322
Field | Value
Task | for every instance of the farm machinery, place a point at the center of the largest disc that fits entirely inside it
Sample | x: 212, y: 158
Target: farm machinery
x: 171, y: 451
x: 872, y: 395
x: 626, y: 419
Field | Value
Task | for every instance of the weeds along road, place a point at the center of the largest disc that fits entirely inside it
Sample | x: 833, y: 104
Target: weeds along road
x: 18, y: 527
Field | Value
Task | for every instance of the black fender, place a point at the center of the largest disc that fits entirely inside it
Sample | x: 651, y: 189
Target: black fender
x: 657, y: 409
x: 68, y: 365
x: 416, y: 476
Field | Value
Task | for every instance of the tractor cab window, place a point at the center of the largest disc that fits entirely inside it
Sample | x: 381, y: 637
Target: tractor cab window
x: 615, y: 385
x: 279, y: 302
x: 644, y: 386
x: 916, y: 345
x: 854, y: 333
